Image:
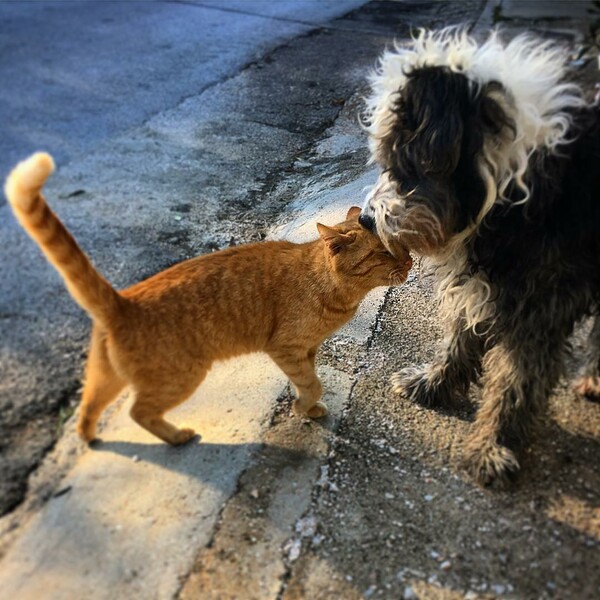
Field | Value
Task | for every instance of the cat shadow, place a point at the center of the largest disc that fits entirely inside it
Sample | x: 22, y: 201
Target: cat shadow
x: 201, y: 460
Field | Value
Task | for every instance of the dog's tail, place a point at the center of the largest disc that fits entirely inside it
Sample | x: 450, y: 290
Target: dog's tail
x: 89, y: 289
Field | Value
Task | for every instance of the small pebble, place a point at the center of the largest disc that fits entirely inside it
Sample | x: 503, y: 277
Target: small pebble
x: 292, y: 547
x: 369, y: 591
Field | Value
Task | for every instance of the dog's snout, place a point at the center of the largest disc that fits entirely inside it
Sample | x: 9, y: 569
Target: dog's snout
x: 367, y: 222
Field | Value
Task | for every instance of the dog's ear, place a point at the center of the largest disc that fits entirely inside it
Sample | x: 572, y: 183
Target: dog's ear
x: 442, y: 145
x: 334, y: 240
x: 433, y: 104
x: 495, y: 109
x: 353, y: 214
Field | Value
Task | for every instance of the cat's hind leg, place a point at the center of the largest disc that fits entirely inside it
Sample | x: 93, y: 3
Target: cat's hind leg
x: 153, y: 400
x: 299, y: 366
x: 102, y: 386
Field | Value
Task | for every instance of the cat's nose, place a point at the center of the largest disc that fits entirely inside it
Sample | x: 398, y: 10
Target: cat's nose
x: 367, y: 222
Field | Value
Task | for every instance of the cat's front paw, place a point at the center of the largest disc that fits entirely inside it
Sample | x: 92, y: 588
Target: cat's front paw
x: 314, y: 412
x: 86, y: 429
x: 317, y: 411
x: 183, y: 436
x: 423, y: 385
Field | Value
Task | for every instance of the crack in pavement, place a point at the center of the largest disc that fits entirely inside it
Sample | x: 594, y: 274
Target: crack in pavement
x: 321, y: 25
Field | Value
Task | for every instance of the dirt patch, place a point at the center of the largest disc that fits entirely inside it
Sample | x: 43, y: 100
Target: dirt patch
x: 403, y: 518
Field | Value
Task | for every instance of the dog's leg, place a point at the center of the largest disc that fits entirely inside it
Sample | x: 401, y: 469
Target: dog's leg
x: 519, y: 375
x: 588, y: 383
x: 438, y: 384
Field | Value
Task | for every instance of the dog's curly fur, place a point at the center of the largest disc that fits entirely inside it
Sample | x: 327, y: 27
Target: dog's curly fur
x: 490, y: 168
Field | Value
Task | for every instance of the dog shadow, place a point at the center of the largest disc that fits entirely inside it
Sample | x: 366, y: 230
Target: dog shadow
x: 562, y: 462
x: 463, y: 408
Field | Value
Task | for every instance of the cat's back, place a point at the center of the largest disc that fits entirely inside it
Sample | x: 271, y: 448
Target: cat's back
x: 225, y: 303
x: 238, y: 266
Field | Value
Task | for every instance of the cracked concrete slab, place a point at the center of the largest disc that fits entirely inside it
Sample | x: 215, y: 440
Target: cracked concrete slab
x: 129, y: 517
x: 269, y: 512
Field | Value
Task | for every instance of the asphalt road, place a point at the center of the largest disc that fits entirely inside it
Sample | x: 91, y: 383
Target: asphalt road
x: 78, y: 73
x: 184, y: 127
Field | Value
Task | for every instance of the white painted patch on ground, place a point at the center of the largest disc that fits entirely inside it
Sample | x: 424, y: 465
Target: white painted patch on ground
x: 330, y: 208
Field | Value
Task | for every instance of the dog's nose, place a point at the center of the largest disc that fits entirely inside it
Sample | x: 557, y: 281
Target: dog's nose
x: 367, y: 222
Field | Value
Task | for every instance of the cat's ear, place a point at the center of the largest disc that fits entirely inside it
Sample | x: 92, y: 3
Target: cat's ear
x: 353, y: 214
x: 333, y: 239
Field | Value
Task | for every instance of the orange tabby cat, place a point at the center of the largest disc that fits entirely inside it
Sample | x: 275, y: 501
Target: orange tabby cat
x: 162, y: 335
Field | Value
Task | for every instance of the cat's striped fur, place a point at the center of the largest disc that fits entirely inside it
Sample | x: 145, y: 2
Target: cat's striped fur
x: 162, y: 335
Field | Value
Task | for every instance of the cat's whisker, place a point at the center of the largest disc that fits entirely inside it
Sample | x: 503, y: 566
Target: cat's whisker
x: 398, y: 277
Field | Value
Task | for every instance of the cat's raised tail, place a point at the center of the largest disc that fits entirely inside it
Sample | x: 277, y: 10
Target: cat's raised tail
x: 23, y: 191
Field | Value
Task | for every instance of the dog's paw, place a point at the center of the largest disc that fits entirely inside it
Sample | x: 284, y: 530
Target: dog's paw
x: 588, y: 387
x: 491, y: 464
x: 424, y: 385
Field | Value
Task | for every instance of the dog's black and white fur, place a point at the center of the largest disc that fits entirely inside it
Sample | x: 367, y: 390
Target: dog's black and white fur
x: 490, y: 169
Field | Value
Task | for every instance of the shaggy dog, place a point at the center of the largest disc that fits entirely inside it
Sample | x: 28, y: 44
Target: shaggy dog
x: 490, y: 169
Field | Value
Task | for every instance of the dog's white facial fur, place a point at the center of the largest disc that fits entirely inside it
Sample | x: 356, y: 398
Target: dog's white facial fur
x: 532, y: 96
